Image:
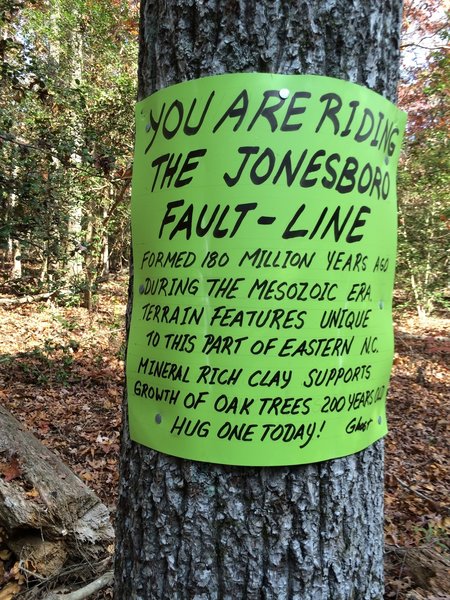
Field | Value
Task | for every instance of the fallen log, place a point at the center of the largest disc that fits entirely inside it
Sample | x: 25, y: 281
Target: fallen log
x: 34, y: 298
x: 51, y: 517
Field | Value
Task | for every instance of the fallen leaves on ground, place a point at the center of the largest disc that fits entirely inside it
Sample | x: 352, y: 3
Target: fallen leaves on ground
x: 417, y: 513
x: 61, y: 374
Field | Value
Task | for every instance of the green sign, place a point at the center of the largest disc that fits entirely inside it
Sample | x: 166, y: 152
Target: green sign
x: 264, y: 238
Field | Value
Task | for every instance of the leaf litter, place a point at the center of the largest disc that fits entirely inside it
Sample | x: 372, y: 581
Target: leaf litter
x: 62, y: 375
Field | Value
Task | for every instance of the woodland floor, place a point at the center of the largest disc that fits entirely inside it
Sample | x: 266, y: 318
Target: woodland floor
x: 61, y: 374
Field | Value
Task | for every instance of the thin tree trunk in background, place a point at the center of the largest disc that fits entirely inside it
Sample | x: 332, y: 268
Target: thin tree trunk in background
x: 103, y: 266
x: 75, y: 260
x: 104, y: 253
x: 14, y: 250
x: 89, y: 260
x: 75, y: 222
x: 16, y: 268
x: 189, y: 530
x: 43, y: 273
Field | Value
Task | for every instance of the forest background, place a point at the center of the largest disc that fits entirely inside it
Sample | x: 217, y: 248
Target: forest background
x: 68, y: 70
x: 68, y: 82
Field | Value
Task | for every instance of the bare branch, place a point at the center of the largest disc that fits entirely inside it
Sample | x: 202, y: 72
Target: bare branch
x: 86, y: 591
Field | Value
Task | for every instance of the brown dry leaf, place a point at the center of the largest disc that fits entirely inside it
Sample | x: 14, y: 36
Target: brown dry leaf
x: 5, y: 554
x: 32, y: 493
x: 9, y: 591
x: 11, y: 470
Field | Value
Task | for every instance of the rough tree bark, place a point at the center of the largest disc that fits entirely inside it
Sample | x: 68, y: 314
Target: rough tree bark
x: 193, y: 530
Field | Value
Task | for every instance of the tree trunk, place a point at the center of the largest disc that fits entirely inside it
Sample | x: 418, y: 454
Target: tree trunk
x: 16, y: 269
x: 195, y: 530
x: 103, y: 269
x: 75, y: 212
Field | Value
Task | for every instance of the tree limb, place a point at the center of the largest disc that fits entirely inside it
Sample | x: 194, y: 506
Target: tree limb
x: 86, y: 591
x: 34, y: 298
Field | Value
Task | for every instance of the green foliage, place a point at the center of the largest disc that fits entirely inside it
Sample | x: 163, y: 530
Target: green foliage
x: 66, y: 133
x: 424, y: 191
x: 50, y: 364
x: 424, y: 221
